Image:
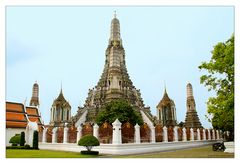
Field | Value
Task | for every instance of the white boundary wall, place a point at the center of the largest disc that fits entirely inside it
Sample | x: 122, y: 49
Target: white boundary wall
x: 127, y: 148
x: 10, y: 132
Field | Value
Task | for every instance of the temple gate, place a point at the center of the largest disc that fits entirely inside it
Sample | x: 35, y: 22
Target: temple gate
x: 127, y: 133
x: 72, y: 134
x: 145, y: 133
x: 159, y: 133
x: 60, y: 135
x: 87, y: 129
x: 105, y: 133
x: 170, y: 134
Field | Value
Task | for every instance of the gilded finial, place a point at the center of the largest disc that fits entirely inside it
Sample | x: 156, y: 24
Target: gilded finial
x: 165, y: 88
x: 61, y: 86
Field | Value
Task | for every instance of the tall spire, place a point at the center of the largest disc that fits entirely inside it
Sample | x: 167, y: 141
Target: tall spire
x: 115, y: 29
x: 35, y: 92
x: 191, y: 119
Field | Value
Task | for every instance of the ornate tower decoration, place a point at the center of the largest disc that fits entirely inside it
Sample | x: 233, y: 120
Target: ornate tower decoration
x: 166, y: 111
x: 114, y: 82
x: 192, y: 119
x: 60, y: 111
x: 35, y: 93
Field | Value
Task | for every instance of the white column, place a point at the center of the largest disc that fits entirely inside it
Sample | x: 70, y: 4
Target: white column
x: 213, y: 134
x: 218, y: 135
x: 44, y: 137
x: 198, y: 135
x: 65, y: 135
x: 209, y: 134
x: 191, y: 135
x: 153, y: 138
x: 79, y: 133
x: 117, y: 133
x: 204, y: 134
x: 95, y: 130
x: 221, y: 134
x: 165, y: 134
x: 184, y: 137
x: 137, y: 134
x: 54, y: 136
x: 175, y: 134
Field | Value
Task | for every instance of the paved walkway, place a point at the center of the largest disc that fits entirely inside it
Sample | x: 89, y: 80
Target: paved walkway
x: 130, y: 148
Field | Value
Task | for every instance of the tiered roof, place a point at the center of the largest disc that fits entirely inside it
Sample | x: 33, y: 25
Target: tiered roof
x: 18, y: 117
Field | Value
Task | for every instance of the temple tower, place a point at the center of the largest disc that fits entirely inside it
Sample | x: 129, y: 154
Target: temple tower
x: 60, y: 111
x: 114, y: 82
x: 35, y: 93
x: 192, y: 119
x: 166, y: 111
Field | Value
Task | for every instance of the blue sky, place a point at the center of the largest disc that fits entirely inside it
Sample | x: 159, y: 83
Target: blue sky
x: 67, y: 44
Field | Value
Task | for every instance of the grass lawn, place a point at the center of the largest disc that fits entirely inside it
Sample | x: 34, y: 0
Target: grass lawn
x: 18, y: 153
x: 201, y: 152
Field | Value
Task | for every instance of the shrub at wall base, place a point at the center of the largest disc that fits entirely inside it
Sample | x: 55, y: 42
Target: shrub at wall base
x: 89, y: 141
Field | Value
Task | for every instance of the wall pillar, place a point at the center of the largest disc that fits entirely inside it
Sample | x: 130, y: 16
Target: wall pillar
x: 213, y: 134
x: 191, y: 135
x: 65, y: 135
x: 217, y: 134
x: 79, y: 133
x: 117, y: 133
x: 184, y: 137
x: 209, y: 134
x: 221, y: 134
x: 198, y: 135
x: 153, y: 138
x: 204, y: 134
x: 54, y: 135
x: 137, y: 138
x: 44, y: 136
x: 175, y: 134
x: 165, y: 134
x: 95, y: 130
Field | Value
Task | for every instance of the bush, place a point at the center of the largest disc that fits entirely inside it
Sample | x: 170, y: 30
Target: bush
x: 19, y: 147
x: 15, y: 140
x: 27, y: 146
x: 90, y: 152
x: 88, y: 141
x: 22, y: 139
x: 35, y: 139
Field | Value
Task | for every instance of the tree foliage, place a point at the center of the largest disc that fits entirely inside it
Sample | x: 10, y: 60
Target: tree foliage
x: 15, y: 140
x: 35, y: 139
x: 220, y: 78
x: 88, y: 141
x: 22, y: 139
x: 121, y: 110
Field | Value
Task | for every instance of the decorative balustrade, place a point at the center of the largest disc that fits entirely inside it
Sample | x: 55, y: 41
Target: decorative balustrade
x: 118, y: 133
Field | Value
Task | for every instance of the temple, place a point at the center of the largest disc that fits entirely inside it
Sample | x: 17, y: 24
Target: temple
x: 192, y: 120
x: 115, y: 82
x: 60, y: 111
x: 166, y: 111
x: 35, y: 93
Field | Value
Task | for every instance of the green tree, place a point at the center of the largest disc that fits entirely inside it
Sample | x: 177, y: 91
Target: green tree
x: 22, y: 139
x: 220, y: 78
x: 35, y: 139
x: 121, y: 110
x: 15, y: 140
x: 88, y: 141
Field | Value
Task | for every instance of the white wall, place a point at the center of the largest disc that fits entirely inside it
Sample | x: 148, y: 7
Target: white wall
x: 82, y: 119
x: 10, y: 132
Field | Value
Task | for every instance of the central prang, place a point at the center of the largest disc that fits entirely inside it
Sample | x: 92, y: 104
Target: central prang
x: 114, y: 83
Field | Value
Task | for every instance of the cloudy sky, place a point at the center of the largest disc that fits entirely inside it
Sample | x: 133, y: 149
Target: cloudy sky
x: 54, y: 45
